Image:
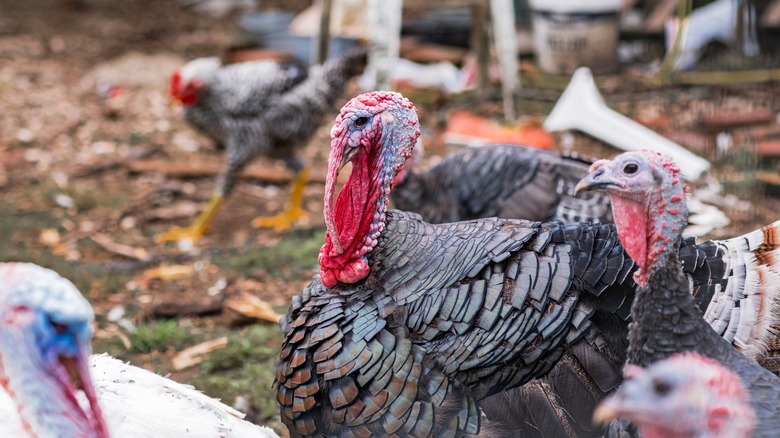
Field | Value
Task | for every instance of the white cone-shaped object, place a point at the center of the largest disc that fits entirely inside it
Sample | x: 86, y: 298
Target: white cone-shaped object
x: 582, y: 108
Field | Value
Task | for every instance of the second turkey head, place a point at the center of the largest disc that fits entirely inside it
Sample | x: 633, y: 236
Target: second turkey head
x: 686, y: 395
x: 648, y: 204
x: 376, y: 132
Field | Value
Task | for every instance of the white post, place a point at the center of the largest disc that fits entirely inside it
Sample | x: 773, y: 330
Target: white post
x: 505, y: 35
x: 384, y: 17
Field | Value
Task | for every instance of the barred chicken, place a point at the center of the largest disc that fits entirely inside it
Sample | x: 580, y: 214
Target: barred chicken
x: 258, y: 108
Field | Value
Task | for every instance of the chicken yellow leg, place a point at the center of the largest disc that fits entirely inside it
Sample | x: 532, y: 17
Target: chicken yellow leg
x: 292, y: 212
x: 198, y: 227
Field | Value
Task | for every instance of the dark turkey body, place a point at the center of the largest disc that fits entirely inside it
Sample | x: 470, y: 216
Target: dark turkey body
x: 506, y: 181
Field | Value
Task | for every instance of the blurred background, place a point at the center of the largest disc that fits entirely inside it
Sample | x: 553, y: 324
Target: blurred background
x: 94, y: 161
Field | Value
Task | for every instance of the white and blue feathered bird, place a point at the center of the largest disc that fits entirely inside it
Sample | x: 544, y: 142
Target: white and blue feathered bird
x: 52, y: 387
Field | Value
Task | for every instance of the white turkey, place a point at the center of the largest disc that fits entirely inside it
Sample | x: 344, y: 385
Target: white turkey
x: 52, y: 387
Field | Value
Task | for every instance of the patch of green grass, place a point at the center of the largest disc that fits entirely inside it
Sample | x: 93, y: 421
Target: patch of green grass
x: 22, y: 230
x: 297, y: 251
x: 246, y: 368
x: 158, y: 336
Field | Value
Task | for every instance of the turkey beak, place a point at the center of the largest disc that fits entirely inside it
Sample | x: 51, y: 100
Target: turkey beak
x: 629, y: 402
x: 77, y: 368
x: 599, y: 178
x: 606, y: 411
x: 349, y: 154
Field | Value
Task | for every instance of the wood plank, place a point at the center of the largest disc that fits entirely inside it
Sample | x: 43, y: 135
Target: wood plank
x: 480, y: 44
x: 657, y: 17
x: 178, y: 170
x: 505, y: 36
x: 771, y: 16
x: 323, y: 36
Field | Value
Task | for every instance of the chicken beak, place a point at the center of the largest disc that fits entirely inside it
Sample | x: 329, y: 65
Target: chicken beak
x: 173, y: 102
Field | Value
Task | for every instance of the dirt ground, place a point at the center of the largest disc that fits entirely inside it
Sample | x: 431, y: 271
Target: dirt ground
x: 73, y: 201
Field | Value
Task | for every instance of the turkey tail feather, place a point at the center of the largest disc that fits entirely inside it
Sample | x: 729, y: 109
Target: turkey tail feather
x: 746, y: 310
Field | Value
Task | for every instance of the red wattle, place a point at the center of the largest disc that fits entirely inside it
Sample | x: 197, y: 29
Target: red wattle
x: 350, y: 218
x: 352, y: 272
x: 189, y: 99
x: 631, y: 222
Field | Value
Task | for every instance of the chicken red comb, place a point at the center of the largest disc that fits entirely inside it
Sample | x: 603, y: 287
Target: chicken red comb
x: 176, y: 83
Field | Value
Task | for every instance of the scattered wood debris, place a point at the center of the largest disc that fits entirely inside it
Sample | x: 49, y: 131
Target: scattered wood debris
x: 178, y: 170
x: 724, y: 120
x: 49, y: 237
x: 768, y: 148
x: 207, y: 305
x: 168, y: 272
x: 196, y: 354
x: 112, y: 163
x: 180, y: 210
x: 249, y: 306
x: 117, y: 248
x: 114, y: 331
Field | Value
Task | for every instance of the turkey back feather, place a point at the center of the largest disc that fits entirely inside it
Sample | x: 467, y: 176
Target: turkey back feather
x: 508, y: 181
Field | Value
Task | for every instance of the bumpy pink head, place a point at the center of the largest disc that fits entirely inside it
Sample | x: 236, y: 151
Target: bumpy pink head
x: 411, y: 163
x: 376, y: 132
x: 648, y: 204
x: 683, y: 396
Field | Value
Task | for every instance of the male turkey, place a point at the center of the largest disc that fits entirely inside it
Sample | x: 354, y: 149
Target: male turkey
x: 411, y: 324
x: 52, y: 387
x: 648, y: 204
x: 686, y: 395
x: 258, y: 108
x: 508, y: 181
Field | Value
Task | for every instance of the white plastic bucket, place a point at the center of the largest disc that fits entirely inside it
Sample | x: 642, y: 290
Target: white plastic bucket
x: 576, y: 33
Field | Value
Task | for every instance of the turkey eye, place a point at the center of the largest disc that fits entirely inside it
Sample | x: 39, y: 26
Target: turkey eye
x: 361, y: 121
x: 58, y: 327
x: 630, y: 168
x: 661, y: 387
